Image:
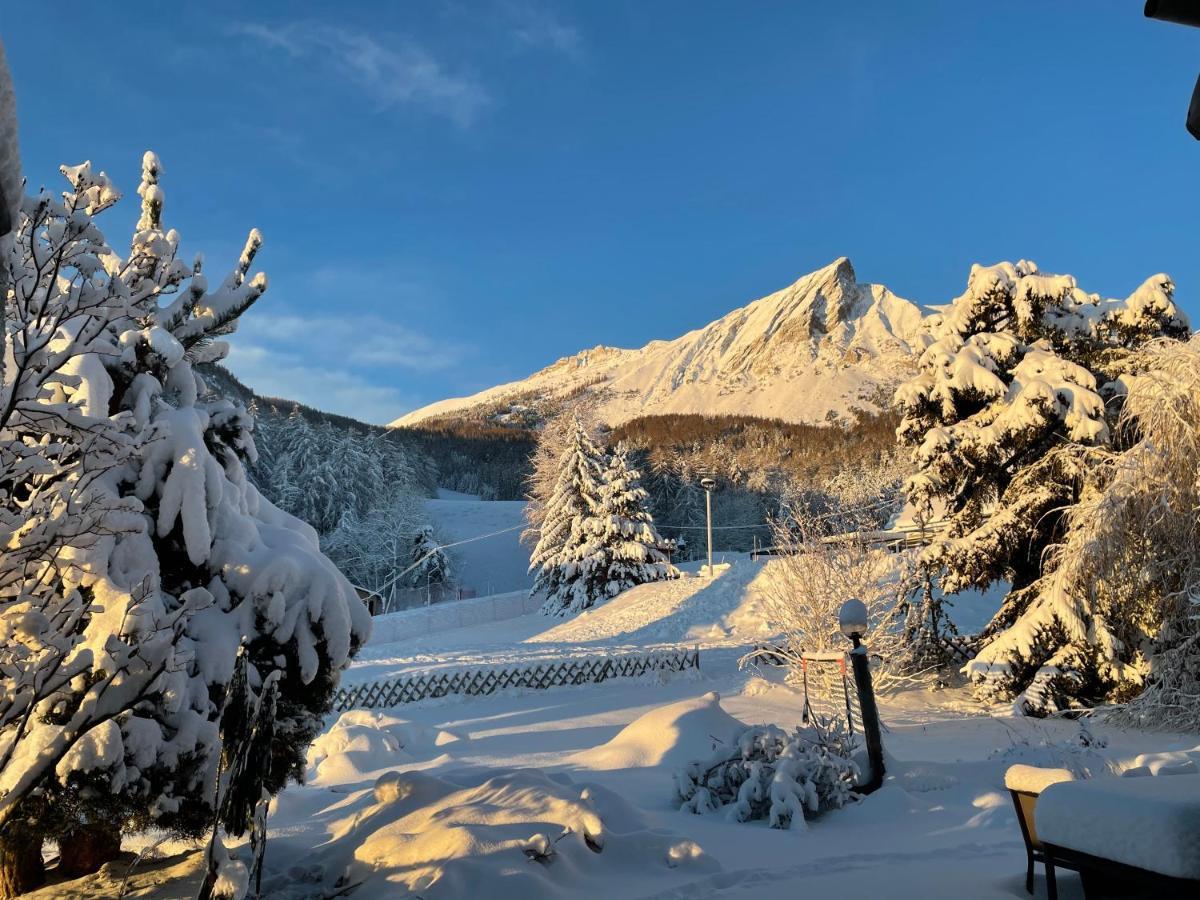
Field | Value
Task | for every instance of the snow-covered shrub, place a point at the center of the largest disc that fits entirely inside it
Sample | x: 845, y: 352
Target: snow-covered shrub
x: 1003, y: 420
x: 769, y: 774
x: 814, y: 574
x: 1080, y: 754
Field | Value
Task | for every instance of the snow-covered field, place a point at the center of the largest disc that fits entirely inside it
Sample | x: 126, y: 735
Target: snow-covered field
x: 441, y: 799
x: 461, y: 797
x: 495, y: 564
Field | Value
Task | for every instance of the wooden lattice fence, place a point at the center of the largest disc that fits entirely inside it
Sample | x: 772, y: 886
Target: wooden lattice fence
x: 961, y: 647
x: 478, y: 682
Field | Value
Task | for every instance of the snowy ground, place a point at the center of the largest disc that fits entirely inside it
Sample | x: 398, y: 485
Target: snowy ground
x: 479, y: 777
x: 493, y: 565
x: 441, y: 799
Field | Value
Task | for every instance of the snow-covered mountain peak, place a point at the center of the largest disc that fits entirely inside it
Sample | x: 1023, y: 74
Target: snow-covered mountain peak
x: 823, y: 345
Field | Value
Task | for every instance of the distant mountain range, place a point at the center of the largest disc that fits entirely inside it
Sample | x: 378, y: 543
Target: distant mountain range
x: 825, y: 347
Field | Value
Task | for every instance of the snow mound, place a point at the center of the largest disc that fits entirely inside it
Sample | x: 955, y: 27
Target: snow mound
x: 516, y: 833
x: 1174, y: 762
x: 671, y: 735
x: 362, y: 741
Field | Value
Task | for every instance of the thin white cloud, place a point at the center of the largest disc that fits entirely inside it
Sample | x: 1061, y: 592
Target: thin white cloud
x: 274, y: 374
x: 364, y: 342
x: 337, y: 364
x: 538, y: 26
x: 392, y: 74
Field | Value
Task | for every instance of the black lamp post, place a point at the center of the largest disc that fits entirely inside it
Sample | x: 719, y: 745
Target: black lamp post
x: 852, y: 619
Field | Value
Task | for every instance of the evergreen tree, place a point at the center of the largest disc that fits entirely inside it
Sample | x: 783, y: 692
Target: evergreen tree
x: 432, y: 566
x: 142, y: 611
x: 565, y: 575
x: 624, y: 526
x: 597, y: 537
x: 1009, y: 399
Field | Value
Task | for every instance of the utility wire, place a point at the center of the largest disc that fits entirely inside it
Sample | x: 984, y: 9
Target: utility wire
x: 479, y: 537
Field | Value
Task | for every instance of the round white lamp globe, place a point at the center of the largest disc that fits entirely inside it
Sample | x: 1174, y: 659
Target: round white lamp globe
x: 852, y: 618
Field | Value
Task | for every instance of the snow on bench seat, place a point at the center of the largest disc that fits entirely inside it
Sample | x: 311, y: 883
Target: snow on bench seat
x: 1151, y: 823
x: 1034, y: 779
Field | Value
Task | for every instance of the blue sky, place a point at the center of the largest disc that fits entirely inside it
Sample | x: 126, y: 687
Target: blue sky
x: 457, y: 193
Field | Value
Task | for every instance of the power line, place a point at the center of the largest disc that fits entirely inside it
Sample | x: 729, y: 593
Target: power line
x: 715, y: 527
x: 479, y: 537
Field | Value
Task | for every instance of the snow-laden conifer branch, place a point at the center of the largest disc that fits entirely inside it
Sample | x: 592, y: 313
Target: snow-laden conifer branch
x: 1016, y: 398
x: 137, y: 557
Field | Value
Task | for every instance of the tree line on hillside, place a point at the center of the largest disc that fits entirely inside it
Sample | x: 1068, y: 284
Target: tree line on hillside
x: 761, y: 466
x: 488, y: 460
x: 363, y: 492
x: 467, y: 455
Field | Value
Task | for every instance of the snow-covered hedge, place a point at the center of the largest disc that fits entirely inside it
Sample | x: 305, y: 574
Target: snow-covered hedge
x: 769, y: 774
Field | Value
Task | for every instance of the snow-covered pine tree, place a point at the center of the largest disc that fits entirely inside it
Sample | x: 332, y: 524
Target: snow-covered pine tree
x: 135, y: 619
x: 624, y: 527
x: 430, y: 563
x: 302, y: 480
x: 262, y: 570
x: 84, y: 635
x: 59, y: 459
x: 1010, y: 395
x: 1115, y: 612
x: 553, y: 439
x: 567, y: 575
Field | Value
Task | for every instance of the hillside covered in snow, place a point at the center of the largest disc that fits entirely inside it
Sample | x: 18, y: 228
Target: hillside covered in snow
x: 825, y: 344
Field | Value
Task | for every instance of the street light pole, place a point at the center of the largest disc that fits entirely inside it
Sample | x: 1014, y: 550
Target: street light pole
x: 708, y: 484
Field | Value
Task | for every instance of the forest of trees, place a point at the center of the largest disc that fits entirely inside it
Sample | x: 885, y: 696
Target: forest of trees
x: 759, y: 466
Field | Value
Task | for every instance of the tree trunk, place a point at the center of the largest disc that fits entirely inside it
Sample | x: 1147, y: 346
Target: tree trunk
x: 21, y: 866
x: 86, y: 848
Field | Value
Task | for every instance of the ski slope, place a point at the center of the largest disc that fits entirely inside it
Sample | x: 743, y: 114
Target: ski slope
x: 492, y: 565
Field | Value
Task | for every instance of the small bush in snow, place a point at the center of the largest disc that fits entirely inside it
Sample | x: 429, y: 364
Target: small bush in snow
x: 769, y: 774
x: 1080, y: 755
x: 814, y: 574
